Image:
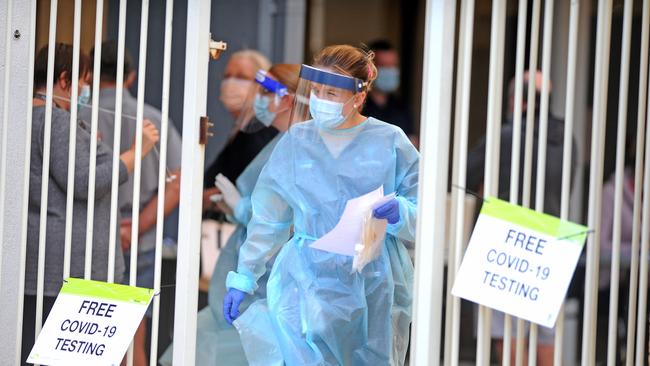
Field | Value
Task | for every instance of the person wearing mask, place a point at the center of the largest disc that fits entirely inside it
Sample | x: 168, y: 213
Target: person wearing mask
x: 268, y: 103
x: 149, y: 190
x: 318, y: 311
x: 241, y: 147
x: 58, y: 183
x: 383, y: 102
x: 552, y: 186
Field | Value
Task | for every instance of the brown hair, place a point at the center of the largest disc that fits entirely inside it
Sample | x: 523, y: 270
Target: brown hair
x: 108, y: 63
x: 62, y: 64
x: 287, y: 74
x: 349, y: 60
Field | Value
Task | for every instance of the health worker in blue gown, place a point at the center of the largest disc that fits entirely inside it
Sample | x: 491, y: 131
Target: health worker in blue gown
x: 318, y: 311
x: 268, y: 103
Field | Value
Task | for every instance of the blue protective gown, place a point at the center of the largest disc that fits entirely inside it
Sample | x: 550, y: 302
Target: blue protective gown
x: 229, y: 255
x: 317, y: 311
x: 218, y: 343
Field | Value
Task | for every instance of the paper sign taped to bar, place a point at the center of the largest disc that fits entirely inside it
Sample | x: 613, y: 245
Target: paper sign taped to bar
x: 91, y: 323
x: 520, y: 261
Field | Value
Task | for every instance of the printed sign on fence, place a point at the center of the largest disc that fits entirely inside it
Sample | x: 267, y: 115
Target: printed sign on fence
x: 520, y: 261
x: 91, y: 323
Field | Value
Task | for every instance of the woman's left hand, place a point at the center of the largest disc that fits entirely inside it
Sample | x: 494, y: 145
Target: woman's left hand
x: 388, y: 211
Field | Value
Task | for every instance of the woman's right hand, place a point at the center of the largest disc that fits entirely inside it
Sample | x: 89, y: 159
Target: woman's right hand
x: 150, y: 136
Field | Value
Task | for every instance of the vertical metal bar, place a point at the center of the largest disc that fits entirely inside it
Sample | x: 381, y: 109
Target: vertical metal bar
x: 45, y: 172
x: 437, y: 80
x: 153, y: 361
x: 581, y: 136
x: 99, y: 18
x: 72, y: 147
x: 567, y: 153
x: 495, y: 103
x: 462, y: 124
x: 516, y: 150
x: 645, y: 244
x: 596, y: 180
x: 544, y: 105
x: 541, y: 144
x: 12, y: 287
x: 638, y: 181
x: 451, y: 236
x: 5, y: 127
x: 451, y: 228
x: 530, y: 103
x: 117, y: 138
x: 528, y: 145
x: 194, y: 106
x: 137, y: 171
x: 135, y: 210
x: 618, y: 187
x: 491, y: 179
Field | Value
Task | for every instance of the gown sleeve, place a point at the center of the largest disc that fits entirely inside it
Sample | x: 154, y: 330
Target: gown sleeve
x: 244, y: 210
x: 407, y: 188
x: 248, y: 179
x: 270, y: 222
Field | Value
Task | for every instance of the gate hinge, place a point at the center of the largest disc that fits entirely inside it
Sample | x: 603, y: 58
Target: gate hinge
x: 204, y: 133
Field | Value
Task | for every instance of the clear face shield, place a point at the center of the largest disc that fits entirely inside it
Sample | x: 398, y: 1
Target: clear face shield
x: 264, y: 102
x: 326, y: 96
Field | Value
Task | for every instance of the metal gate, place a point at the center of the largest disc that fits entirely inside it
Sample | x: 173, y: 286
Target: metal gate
x: 447, y: 78
x: 442, y: 35
x: 19, y: 46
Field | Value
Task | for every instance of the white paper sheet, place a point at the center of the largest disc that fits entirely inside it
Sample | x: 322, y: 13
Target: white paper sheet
x: 347, y: 232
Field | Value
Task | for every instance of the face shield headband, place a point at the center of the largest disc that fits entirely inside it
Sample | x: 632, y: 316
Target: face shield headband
x: 332, y: 79
x: 271, y: 85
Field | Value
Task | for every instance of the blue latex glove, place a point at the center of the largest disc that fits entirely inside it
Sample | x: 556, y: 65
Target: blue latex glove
x: 388, y: 211
x: 231, y: 303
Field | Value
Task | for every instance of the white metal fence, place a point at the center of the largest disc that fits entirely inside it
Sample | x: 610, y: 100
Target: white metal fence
x: 441, y: 33
x: 19, y: 22
x: 447, y: 77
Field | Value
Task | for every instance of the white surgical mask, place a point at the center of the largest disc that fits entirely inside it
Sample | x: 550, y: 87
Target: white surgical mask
x: 327, y: 114
x: 387, y: 79
x: 261, y: 107
x: 84, y: 95
x: 233, y: 93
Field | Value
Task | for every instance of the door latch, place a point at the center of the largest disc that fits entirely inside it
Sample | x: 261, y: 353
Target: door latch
x: 217, y: 48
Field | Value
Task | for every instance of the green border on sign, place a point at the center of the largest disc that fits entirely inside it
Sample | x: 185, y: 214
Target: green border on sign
x: 541, y: 222
x: 109, y: 291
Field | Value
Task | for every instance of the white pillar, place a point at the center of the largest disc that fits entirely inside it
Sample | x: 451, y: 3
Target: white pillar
x: 436, y: 119
x: 193, y: 156
x: 23, y: 18
x: 294, y: 31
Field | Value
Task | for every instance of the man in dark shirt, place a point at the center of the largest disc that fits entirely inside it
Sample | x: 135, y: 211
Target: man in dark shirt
x: 554, y: 154
x: 237, y: 154
x: 383, y: 103
x: 552, y: 186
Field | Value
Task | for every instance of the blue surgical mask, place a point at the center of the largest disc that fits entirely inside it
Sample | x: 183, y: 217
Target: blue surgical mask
x: 84, y: 95
x: 326, y: 114
x: 261, y: 107
x: 387, y: 79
